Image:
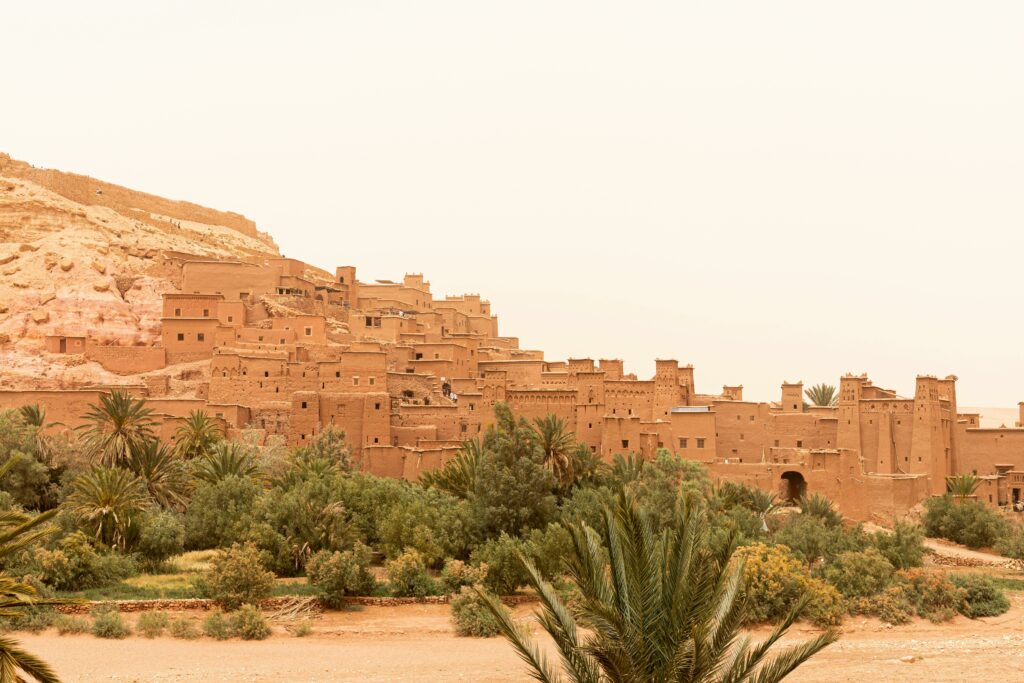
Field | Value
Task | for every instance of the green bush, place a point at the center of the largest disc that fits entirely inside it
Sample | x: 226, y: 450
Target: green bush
x: 775, y: 581
x: 301, y: 629
x: 982, y: 598
x: 108, y: 623
x: 183, y: 628
x: 457, y: 574
x: 548, y: 549
x: 935, y: 597
x: 471, y: 617
x: 336, y: 575
x: 408, y: 575
x: 74, y: 565
x: 1011, y: 542
x: 34, y: 619
x: 505, y: 571
x: 217, y: 626
x: 162, y: 537
x: 69, y: 624
x: 967, y: 522
x: 249, y: 623
x: 859, y: 574
x: 895, y: 605
x: 434, y: 523
x: 903, y: 547
x: 237, y: 576
x: 812, y: 538
x: 152, y: 624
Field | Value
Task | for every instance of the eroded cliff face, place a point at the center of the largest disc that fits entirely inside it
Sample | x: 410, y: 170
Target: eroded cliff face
x: 82, y: 257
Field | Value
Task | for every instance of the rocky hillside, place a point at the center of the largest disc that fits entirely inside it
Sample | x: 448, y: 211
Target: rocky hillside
x: 79, y: 256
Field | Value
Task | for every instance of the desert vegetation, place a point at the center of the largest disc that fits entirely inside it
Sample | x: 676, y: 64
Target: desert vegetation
x: 108, y: 511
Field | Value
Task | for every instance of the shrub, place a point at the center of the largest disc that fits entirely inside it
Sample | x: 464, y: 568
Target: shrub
x: 471, y: 617
x: 217, y: 626
x: 895, y: 605
x: 982, y: 598
x: 108, y: 623
x: 69, y: 624
x: 183, y: 628
x: 74, y: 564
x: 162, y: 537
x: 811, y: 538
x: 505, y: 571
x: 457, y: 574
x: 34, y: 619
x: 301, y: 629
x: 859, y: 574
x: 967, y: 522
x: 408, y: 575
x: 903, y: 547
x: 433, y: 523
x: 935, y: 598
x: 249, y: 623
x: 152, y: 624
x: 237, y: 576
x: 1011, y: 543
x: 335, y: 575
x: 775, y: 581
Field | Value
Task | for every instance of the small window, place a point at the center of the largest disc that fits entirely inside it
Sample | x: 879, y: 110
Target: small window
x: 309, y: 331
x: 700, y: 443
x: 266, y: 373
x: 376, y: 440
x: 799, y: 444
x: 303, y: 404
x: 181, y: 337
x: 177, y: 312
x: 206, y: 312
x: 776, y: 443
x: 355, y: 381
x: 201, y: 337
x: 682, y: 443
x: 231, y: 318
x: 376, y: 406
x: 373, y: 380
x: 625, y: 443
x: 337, y: 374
x: 751, y: 418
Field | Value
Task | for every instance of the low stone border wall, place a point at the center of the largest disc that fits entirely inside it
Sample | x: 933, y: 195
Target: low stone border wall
x: 270, y: 603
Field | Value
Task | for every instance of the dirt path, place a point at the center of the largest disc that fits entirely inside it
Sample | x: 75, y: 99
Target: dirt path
x: 416, y: 644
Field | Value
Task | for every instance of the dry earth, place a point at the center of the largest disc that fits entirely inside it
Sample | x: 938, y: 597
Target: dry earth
x: 416, y: 643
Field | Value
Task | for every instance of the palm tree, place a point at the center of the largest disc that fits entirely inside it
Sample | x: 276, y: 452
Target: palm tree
x: 962, y: 486
x: 458, y: 475
x: 226, y: 459
x: 558, y: 446
x: 818, y: 505
x: 662, y: 606
x: 16, y: 663
x: 822, y: 395
x: 35, y: 416
x: 18, y: 531
x: 116, y: 426
x: 162, y: 472
x: 108, y: 500
x: 197, y: 435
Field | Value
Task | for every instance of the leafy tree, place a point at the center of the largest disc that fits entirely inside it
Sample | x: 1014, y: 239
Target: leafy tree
x: 657, y: 606
x: 557, y: 444
x: 162, y: 472
x: 115, y: 427
x: 338, y: 574
x: 434, y: 523
x: 161, y: 538
x: 822, y: 395
x: 859, y: 574
x: 330, y: 445
x: 221, y: 512
x: 107, y: 502
x: 664, y: 481
x: 501, y: 555
x: 197, y: 435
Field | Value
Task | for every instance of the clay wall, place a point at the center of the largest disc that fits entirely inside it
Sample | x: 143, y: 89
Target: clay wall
x: 127, y: 360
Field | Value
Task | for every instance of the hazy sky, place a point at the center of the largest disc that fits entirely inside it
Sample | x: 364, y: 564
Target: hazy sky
x: 768, y: 190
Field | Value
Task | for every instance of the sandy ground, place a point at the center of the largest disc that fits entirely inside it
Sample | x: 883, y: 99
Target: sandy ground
x: 416, y: 643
